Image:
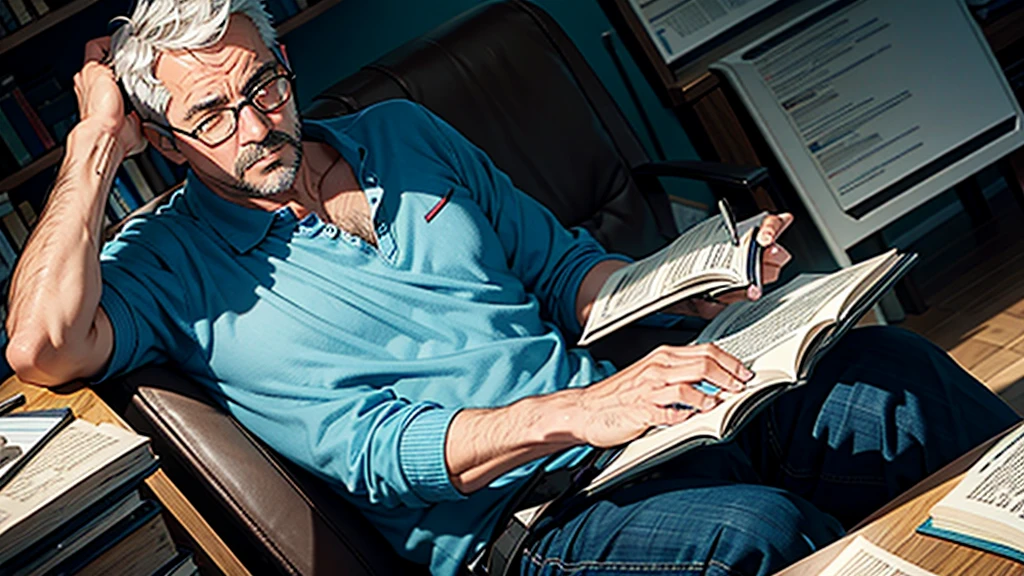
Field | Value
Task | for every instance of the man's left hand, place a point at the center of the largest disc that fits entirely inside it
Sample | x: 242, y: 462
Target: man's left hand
x: 773, y: 258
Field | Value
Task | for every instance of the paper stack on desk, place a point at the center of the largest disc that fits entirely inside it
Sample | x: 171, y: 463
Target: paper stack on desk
x: 75, y: 507
x: 986, y: 509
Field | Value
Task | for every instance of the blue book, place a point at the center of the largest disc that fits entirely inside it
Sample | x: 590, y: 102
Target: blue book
x: 22, y: 126
x: 126, y: 190
x: 13, y: 142
x: 967, y: 540
x: 7, y: 17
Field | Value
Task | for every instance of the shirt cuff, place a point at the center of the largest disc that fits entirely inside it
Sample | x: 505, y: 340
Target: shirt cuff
x: 421, y: 455
x: 124, y: 333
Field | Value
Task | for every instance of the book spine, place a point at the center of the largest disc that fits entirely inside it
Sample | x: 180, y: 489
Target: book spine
x: 145, y: 192
x: 302, y: 4
x: 40, y: 7
x: 162, y: 167
x: 290, y: 8
x: 20, y: 11
x: 28, y: 213
x: 21, y: 125
x: 16, y: 228
x: 14, y: 143
x: 33, y: 119
x: 7, y: 252
x: 7, y: 18
x: 127, y: 191
x: 117, y: 201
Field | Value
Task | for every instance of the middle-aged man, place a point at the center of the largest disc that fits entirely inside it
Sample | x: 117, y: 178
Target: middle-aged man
x: 419, y: 365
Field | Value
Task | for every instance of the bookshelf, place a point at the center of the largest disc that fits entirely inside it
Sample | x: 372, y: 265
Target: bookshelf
x: 52, y: 158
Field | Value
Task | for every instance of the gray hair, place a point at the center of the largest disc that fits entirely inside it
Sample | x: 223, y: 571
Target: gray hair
x: 163, y: 25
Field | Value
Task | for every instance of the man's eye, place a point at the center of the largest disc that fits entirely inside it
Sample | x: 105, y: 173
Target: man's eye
x: 209, y: 123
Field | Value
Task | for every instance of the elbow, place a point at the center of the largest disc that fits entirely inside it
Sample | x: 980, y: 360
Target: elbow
x: 31, y: 358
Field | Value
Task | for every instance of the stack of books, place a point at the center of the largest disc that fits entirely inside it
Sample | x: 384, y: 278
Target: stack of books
x: 15, y: 14
x: 70, y: 500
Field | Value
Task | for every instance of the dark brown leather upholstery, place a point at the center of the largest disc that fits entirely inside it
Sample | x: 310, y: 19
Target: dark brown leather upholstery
x: 507, y: 77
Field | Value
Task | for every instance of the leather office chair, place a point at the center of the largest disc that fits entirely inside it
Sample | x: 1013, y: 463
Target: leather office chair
x: 510, y: 79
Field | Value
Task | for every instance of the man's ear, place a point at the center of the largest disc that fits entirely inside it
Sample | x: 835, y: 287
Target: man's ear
x: 164, y: 141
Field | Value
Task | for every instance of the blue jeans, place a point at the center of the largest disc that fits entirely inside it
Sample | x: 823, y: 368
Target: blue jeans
x: 884, y: 409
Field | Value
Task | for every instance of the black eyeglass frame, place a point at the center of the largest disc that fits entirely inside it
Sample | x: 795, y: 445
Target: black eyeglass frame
x: 248, y: 100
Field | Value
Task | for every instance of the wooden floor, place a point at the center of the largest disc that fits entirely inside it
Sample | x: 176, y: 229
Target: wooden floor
x: 978, y: 316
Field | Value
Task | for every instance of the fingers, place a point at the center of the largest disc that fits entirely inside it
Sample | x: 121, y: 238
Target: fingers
x: 706, y: 362
x: 775, y: 257
x: 96, y: 50
x: 772, y: 226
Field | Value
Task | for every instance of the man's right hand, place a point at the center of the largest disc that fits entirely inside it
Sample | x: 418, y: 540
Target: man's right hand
x: 100, y: 102
x: 657, y: 390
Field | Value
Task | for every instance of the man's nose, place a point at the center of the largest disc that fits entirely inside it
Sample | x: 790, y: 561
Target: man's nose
x: 253, y: 125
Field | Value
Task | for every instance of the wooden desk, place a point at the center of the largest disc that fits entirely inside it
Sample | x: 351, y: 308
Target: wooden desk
x: 893, y: 528
x: 185, y: 523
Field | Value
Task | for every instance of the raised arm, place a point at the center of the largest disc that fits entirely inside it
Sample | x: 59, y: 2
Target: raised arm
x: 57, y: 329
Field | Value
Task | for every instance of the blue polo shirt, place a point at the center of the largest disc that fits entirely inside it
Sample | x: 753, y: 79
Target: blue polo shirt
x: 350, y: 359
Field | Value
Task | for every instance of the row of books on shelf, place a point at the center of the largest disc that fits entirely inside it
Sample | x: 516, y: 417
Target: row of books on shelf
x: 34, y: 119
x: 140, y: 179
x: 72, y: 500
x: 15, y: 14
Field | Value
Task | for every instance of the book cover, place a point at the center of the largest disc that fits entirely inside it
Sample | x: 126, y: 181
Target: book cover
x: 183, y: 564
x: 24, y: 434
x: 22, y: 126
x: 16, y: 228
x: 40, y: 7
x: 7, y: 253
x: 124, y: 195
x: 28, y: 213
x: 74, y: 533
x: 7, y: 18
x: 150, y: 175
x: 984, y: 545
x: 144, y: 192
x: 33, y: 118
x: 139, y: 539
x: 20, y: 10
x: 13, y: 142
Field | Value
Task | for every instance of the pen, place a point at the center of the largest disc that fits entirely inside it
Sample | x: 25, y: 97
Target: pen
x: 730, y: 221
x: 11, y: 403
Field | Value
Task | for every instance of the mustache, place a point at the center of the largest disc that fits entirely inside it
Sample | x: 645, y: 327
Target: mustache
x: 253, y: 153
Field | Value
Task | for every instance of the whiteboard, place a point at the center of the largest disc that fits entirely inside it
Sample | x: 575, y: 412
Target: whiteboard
x: 874, y: 107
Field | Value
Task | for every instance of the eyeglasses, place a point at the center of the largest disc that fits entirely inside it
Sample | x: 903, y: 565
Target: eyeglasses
x: 221, y: 124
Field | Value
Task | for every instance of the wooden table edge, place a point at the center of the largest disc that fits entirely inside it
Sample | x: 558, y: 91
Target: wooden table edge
x: 86, y: 404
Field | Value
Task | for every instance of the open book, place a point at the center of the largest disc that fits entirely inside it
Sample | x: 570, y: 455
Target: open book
x: 22, y: 435
x: 780, y: 338
x: 77, y: 468
x: 986, y: 509
x: 716, y: 256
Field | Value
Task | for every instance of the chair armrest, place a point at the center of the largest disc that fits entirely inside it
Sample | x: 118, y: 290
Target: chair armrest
x: 733, y: 175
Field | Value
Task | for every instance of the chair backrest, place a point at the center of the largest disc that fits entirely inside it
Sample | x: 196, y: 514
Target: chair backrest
x: 508, y: 78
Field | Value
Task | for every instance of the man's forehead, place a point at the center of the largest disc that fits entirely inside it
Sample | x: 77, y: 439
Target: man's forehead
x: 239, y: 51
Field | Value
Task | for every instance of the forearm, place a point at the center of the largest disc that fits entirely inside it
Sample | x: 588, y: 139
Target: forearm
x: 56, y: 287
x: 591, y: 286
x: 483, y: 444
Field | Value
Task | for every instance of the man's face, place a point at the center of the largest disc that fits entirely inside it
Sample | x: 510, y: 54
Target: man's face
x: 262, y: 157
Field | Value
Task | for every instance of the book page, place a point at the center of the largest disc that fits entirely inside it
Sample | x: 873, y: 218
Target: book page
x: 749, y: 329
x: 78, y: 451
x: 703, y: 259
x: 19, y: 433
x: 862, y: 558
x: 992, y: 492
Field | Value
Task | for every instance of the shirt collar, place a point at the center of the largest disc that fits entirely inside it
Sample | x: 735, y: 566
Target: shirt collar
x: 243, y: 227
